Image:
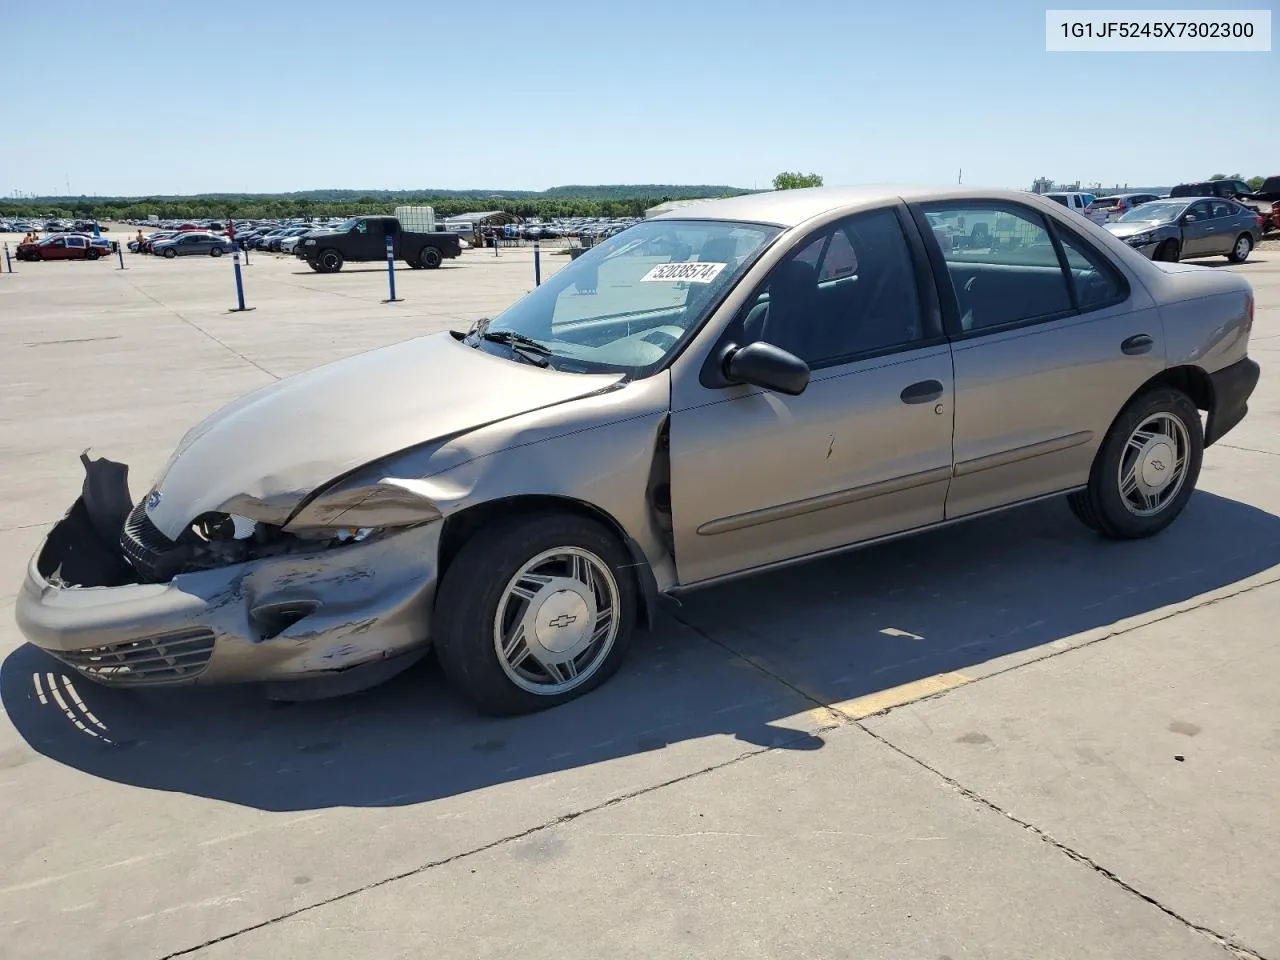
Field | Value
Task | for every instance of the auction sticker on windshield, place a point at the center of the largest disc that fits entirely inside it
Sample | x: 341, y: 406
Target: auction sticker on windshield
x: 690, y: 272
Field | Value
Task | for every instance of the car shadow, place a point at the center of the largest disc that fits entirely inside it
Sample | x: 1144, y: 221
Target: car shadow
x: 401, y: 267
x: 745, y: 660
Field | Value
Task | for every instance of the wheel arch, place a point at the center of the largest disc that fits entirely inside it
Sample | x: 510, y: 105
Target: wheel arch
x: 1189, y: 379
x: 460, y: 526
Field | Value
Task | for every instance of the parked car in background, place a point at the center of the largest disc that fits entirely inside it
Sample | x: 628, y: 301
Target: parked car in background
x: 362, y: 239
x: 1183, y: 228
x: 189, y: 244
x: 150, y: 240
x: 64, y: 246
x: 1079, y: 202
x: 813, y: 372
x: 1230, y: 189
x: 1268, y: 195
x: 1116, y: 205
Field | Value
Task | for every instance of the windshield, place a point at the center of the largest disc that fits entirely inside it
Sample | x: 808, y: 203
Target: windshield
x: 1154, y: 211
x: 627, y: 303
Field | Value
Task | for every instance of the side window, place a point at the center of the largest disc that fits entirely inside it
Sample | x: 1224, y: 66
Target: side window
x: 1097, y: 283
x: 362, y: 226
x: 74, y: 242
x: 1201, y: 210
x: 1223, y: 208
x: 849, y: 292
x: 1004, y: 270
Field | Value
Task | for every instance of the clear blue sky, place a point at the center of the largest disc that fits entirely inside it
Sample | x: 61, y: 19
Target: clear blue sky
x: 278, y: 96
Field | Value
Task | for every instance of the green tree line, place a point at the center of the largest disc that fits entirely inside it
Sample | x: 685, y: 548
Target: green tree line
x: 607, y: 201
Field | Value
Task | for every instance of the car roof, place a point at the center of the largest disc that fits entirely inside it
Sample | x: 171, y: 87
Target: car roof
x: 787, y: 208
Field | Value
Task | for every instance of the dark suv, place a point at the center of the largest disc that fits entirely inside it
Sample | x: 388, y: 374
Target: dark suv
x: 1232, y: 189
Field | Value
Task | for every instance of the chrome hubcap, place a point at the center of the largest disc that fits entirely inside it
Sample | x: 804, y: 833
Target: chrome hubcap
x: 1154, y: 464
x: 556, y: 621
x: 1242, y: 248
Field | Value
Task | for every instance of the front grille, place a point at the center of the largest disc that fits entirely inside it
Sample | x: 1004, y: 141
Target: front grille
x: 160, y: 659
x: 145, y: 547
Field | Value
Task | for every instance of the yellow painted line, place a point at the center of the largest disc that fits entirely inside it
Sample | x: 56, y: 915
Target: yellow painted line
x: 861, y: 707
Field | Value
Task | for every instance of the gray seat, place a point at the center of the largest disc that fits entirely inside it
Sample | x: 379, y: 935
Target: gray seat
x: 789, y: 324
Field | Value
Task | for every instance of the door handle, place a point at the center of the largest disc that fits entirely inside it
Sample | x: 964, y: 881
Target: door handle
x: 926, y: 391
x: 1137, y: 344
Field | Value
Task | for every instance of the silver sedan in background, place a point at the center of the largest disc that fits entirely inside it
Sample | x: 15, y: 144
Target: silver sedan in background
x: 1188, y: 228
x: 186, y: 244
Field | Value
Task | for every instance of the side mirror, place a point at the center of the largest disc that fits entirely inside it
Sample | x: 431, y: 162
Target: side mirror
x: 764, y: 365
x: 1188, y: 218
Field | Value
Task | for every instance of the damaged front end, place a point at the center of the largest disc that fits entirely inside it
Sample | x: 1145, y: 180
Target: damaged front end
x: 314, y: 612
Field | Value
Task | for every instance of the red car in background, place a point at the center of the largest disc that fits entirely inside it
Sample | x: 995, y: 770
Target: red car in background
x: 64, y: 246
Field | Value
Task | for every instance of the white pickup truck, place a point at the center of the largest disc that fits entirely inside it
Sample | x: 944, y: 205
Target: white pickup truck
x: 1072, y: 201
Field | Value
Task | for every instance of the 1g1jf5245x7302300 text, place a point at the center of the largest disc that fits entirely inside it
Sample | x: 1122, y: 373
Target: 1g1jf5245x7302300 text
x: 1158, y: 30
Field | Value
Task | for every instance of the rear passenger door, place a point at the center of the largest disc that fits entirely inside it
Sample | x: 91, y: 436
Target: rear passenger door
x: 1046, y: 351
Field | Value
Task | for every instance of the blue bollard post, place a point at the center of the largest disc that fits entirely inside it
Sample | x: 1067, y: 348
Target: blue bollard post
x: 537, y: 264
x: 235, y: 259
x: 495, y: 243
x: 391, y: 268
x: 8, y: 263
x: 120, y: 254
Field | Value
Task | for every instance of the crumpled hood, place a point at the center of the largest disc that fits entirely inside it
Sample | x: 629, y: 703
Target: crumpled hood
x: 264, y: 453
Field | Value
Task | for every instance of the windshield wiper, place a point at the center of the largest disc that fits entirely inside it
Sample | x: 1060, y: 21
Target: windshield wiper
x: 530, y: 349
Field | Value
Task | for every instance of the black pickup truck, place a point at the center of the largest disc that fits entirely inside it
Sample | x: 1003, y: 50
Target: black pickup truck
x: 363, y: 239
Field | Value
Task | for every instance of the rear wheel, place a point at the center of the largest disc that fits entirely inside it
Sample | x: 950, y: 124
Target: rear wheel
x: 430, y: 258
x: 1146, y: 469
x: 92, y: 254
x: 1240, y: 249
x: 215, y: 252
x: 534, y: 613
x: 1169, y: 251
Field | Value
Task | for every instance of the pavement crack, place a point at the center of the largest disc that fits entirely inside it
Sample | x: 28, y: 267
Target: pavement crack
x: 199, y: 329
x: 1236, y: 446
x: 502, y: 841
x: 1237, y: 949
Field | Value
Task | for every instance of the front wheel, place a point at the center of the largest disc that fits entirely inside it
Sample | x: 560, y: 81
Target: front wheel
x: 92, y: 255
x: 170, y: 253
x: 1146, y: 469
x: 1240, y: 249
x: 1169, y: 251
x: 534, y: 613
x: 330, y: 261
x: 431, y: 258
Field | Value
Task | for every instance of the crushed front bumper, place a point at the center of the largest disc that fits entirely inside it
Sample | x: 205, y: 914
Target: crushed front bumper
x: 283, y: 620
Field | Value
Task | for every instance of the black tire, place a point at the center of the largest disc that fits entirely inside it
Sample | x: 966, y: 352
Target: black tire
x: 92, y: 254
x: 330, y: 260
x: 414, y: 265
x: 1241, y: 249
x: 215, y: 252
x: 474, y: 584
x: 1169, y: 251
x: 1102, y: 506
x: 170, y: 253
x: 430, y: 258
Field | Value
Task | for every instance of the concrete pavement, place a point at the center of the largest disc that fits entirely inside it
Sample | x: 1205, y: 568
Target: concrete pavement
x: 962, y: 744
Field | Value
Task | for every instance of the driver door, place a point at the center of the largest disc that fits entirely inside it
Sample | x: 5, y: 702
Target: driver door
x: 864, y: 451
x: 57, y: 250
x: 1198, y: 233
